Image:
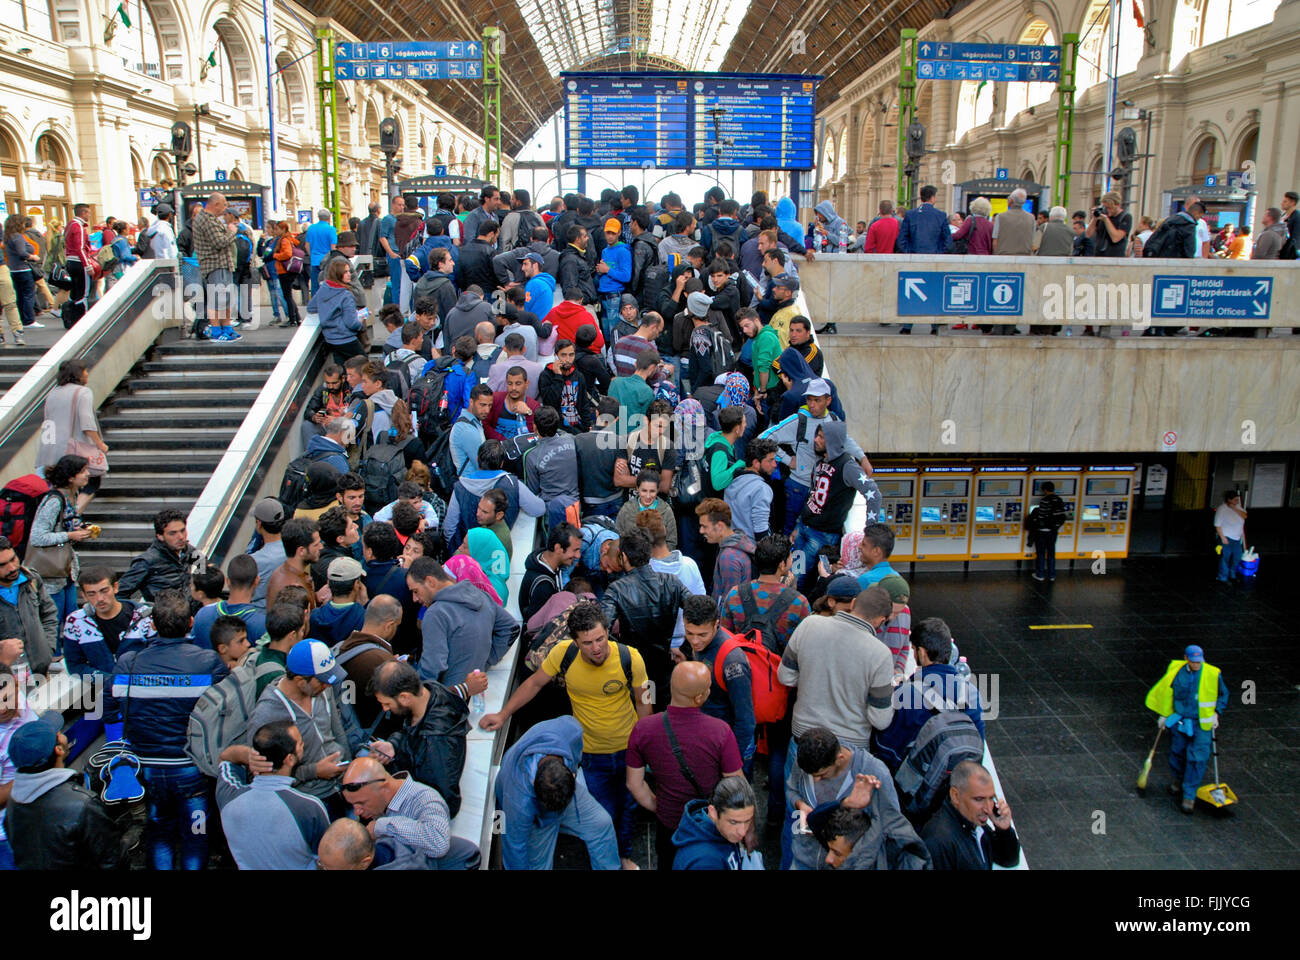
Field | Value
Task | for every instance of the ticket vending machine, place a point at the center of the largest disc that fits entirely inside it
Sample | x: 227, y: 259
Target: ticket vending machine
x: 944, y: 508
x: 998, y: 513
x: 1069, y: 484
x: 1104, y: 510
x: 898, y: 488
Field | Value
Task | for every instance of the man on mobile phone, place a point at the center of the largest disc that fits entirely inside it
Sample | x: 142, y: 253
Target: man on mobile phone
x: 973, y: 829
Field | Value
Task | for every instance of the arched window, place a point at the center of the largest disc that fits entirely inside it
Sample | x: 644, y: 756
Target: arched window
x: 54, y: 179
x: 161, y: 170
x: 1220, y: 19
x: 30, y: 16
x: 1205, y: 157
x: 10, y: 181
x: 828, y: 159
x: 290, y: 92
x: 1094, y: 42
x: 236, y: 175
x: 842, y: 154
x: 291, y: 201
x: 372, y: 128
x: 219, y: 81
x: 974, y: 106
x: 1249, y: 149
x: 1022, y: 96
x: 138, y: 44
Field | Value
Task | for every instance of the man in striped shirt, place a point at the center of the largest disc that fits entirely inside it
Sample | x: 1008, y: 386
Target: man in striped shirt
x: 270, y: 825
x: 628, y: 349
x: 406, y: 811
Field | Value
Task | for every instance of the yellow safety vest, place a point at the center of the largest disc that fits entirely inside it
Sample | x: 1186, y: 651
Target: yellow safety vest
x: 1160, y: 698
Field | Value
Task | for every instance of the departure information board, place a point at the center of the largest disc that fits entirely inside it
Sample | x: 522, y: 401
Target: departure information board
x: 729, y: 121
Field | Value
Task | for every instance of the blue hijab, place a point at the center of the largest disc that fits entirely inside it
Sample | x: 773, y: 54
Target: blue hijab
x: 794, y: 366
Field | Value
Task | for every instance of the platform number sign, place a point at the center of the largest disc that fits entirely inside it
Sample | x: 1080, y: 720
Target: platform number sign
x: 1211, y: 180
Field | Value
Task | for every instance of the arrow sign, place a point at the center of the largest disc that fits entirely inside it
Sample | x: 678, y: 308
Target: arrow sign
x: 472, y: 49
x: 912, y: 286
x: 925, y: 49
x: 1262, y: 287
x: 1261, y: 309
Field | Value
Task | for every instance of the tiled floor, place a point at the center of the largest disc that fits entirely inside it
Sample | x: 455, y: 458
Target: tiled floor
x: 1072, y: 732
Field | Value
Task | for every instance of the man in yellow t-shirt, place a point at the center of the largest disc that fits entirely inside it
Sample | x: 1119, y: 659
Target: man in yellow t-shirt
x: 609, y: 691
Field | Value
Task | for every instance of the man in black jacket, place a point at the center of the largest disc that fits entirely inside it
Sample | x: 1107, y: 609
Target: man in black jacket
x: 53, y: 822
x: 542, y: 569
x: 165, y: 564
x: 575, y: 266
x: 645, y: 249
x: 435, y: 719
x: 643, y: 605
x: 475, y: 267
x: 1043, y: 524
x: 972, y: 830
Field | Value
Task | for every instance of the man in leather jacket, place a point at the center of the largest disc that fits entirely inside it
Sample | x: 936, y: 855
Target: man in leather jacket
x: 165, y: 565
x: 643, y: 605
x: 53, y: 822
x: 430, y: 744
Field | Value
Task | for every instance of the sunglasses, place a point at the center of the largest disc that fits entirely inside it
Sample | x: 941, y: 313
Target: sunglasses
x: 355, y: 787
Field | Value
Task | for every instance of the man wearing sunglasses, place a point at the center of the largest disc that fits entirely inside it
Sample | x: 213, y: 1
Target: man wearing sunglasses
x: 406, y: 811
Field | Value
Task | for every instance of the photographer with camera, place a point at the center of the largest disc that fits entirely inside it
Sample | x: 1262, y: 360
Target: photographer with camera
x: 1109, y: 227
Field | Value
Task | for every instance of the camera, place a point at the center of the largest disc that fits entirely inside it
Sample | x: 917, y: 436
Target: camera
x: 1099, y: 212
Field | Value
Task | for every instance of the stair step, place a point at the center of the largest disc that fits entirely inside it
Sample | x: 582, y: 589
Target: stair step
x: 166, y: 371
x: 151, y: 461
x: 194, y: 401
x: 148, y: 484
x: 193, y: 393
x: 132, y: 509
x: 168, y: 441
x: 174, y: 418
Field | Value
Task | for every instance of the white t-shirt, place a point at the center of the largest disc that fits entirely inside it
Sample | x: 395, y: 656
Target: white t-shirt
x: 162, y: 240
x: 1202, y: 237
x: 1230, y: 522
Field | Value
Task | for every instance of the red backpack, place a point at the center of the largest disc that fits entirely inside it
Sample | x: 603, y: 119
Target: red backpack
x: 770, y: 695
x: 18, y: 502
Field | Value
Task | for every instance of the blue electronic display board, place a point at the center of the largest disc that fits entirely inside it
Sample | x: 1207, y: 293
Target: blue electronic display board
x: 689, y: 120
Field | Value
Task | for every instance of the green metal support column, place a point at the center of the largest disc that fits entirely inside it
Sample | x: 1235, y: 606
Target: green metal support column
x: 906, y: 111
x: 329, y: 141
x: 1065, y: 121
x: 492, y: 105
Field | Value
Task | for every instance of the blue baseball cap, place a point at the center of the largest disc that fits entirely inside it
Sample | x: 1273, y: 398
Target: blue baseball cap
x: 311, y: 658
x: 843, y: 587
x: 1194, y: 654
x: 33, y: 742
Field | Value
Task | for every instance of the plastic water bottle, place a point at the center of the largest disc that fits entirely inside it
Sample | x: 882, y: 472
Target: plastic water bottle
x: 963, y: 668
x: 478, y: 705
x: 22, y: 669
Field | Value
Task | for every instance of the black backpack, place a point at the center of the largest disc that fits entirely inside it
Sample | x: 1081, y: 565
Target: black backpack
x: 764, y: 621
x: 143, y: 248
x: 1167, y: 241
x: 946, y: 739
x: 397, y: 376
x: 382, y: 469
x: 428, y: 401
x: 441, y: 463
x: 293, y: 485
x: 528, y: 222
x: 654, y: 285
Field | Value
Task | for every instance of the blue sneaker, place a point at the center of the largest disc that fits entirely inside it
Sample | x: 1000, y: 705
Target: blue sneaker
x: 211, y: 333
x: 231, y: 334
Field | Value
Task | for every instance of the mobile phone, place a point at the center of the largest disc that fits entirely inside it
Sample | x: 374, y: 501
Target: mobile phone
x: 341, y: 763
x: 823, y: 567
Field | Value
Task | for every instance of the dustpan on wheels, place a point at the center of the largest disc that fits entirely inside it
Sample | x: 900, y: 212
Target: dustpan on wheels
x: 1217, y: 794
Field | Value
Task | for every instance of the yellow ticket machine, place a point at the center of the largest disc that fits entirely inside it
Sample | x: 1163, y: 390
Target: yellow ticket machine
x: 898, y: 507
x: 1105, y: 508
x: 1069, y: 484
x: 944, y: 510
x: 999, y: 513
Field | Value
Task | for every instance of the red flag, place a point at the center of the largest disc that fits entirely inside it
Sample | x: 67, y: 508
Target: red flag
x: 1137, y: 14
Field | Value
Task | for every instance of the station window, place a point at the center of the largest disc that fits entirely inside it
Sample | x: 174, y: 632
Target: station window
x: 219, y: 81
x: 31, y: 16
x: 1204, y: 159
x: 1022, y: 96
x: 138, y: 44
x: 974, y: 106
x: 1094, y: 43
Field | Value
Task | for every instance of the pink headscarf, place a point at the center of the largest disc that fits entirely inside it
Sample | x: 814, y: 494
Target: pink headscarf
x: 464, y: 567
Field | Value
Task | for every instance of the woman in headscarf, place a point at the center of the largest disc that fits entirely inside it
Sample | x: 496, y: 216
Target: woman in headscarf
x: 735, y: 393
x: 464, y: 567
x: 795, y: 375
x: 485, y: 547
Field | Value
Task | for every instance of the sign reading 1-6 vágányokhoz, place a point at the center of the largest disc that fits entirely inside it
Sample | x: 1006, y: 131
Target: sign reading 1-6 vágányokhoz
x: 1201, y: 297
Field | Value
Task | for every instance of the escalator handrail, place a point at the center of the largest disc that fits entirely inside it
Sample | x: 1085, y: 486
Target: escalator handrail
x: 141, y: 285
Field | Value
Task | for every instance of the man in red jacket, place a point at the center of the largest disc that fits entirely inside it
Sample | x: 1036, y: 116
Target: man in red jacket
x: 82, y: 266
x: 569, y: 314
x: 512, y: 410
x: 883, y: 232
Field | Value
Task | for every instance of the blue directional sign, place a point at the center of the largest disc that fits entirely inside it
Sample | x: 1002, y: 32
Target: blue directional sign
x: 1211, y: 180
x: 989, y: 52
x: 1202, y: 297
x: 408, y: 70
x: 933, y: 293
x: 1013, y: 72
x: 439, y: 171
x: 1001, y: 173
x: 416, y: 50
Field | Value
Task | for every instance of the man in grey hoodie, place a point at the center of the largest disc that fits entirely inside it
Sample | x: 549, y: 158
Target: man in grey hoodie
x: 831, y: 234
x: 551, y: 467
x: 463, y: 629
x: 749, y: 494
x: 470, y: 310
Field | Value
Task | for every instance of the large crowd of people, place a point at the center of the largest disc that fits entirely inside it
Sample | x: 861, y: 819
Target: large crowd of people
x: 696, y: 627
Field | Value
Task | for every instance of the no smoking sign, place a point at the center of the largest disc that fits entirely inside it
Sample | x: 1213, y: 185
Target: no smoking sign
x: 1169, y: 441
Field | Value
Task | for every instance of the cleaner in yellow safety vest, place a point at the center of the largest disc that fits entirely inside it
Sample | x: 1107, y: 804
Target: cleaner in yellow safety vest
x: 1189, y: 698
